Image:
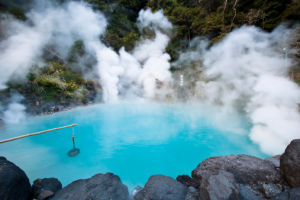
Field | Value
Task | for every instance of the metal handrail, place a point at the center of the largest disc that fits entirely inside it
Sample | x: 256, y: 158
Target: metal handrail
x: 38, y: 133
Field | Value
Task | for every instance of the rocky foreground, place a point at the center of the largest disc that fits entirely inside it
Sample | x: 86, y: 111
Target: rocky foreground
x: 238, y: 177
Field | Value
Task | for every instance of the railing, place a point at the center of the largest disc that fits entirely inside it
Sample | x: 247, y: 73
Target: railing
x: 38, y: 133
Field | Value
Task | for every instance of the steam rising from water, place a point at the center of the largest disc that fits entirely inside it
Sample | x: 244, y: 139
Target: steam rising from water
x: 250, y: 75
x: 244, y: 73
x: 128, y: 75
x: 15, y: 111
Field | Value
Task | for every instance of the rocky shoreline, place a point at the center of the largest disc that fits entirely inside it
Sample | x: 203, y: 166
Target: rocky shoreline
x: 237, y: 177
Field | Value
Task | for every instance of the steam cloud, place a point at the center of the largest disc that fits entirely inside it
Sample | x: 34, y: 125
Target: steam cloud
x: 15, y: 111
x: 134, y: 74
x: 250, y: 75
x: 243, y: 73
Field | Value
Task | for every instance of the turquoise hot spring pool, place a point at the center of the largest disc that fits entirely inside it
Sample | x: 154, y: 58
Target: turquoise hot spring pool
x: 133, y: 141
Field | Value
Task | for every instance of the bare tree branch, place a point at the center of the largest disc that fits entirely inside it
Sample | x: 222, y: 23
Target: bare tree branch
x: 225, y: 5
x: 234, y: 9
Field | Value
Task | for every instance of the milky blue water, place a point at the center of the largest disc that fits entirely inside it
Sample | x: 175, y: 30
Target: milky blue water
x: 133, y: 141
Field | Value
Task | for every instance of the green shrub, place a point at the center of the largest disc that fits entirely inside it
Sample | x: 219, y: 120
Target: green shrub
x: 84, y: 100
x: 31, y: 76
x: 71, y: 86
x: 51, y: 82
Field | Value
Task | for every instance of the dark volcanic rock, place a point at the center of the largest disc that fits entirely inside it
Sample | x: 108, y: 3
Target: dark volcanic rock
x: 290, y: 163
x: 246, y: 169
x: 220, y: 186
x: 100, y: 187
x: 161, y: 187
x: 14, y: 184
x: 292, y: 194
x: 45, y: 188
x: 188, y: 181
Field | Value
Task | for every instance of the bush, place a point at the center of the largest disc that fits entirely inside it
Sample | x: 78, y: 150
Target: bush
x: 71, y: 86
x: 31, y: 76
x: 50, y: 81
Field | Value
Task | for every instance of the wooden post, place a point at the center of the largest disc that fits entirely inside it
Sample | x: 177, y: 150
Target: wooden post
x: 73, y: 137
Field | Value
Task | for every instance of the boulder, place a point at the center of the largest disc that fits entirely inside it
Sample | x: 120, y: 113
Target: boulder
x: 221, y: 186
x: 44, y: 188
x: 245, y: 169
x: 99, y: 187
x: 161, y: 187
x: 188, y: 181
x: 292, y: 194
x: 14, y: 184
x: 290, y: 163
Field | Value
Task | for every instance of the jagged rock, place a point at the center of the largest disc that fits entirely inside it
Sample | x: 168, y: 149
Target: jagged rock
x: 221, y: 186
x: 246, y: 193
x: 192, y: 194
x: 45, y: 188
x: 161, y: 187
x: 290, y: 163
x: 14, y: 184
x: 292, y: 194
x: 188, y: 181
x: 246, y: 169
x: 99, y: 187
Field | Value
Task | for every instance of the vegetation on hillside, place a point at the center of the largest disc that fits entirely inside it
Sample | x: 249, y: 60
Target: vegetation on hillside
x: 191, y: 18
x: 56, y: 83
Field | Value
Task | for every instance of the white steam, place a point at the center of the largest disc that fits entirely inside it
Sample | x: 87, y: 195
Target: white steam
x: 15, y: 111
x: 249, y: 74
x: 135, y: 74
